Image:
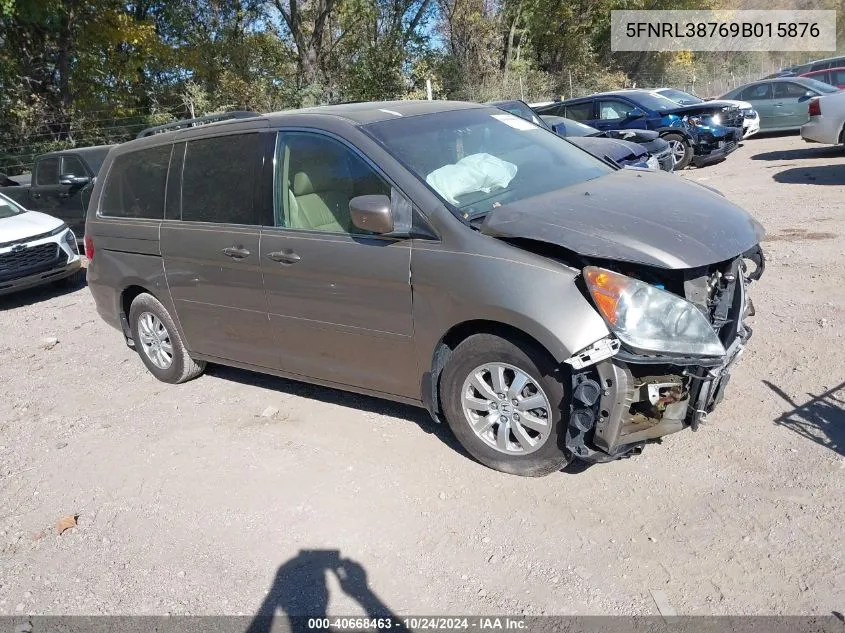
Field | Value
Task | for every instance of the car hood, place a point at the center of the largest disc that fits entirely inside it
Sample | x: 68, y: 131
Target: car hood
x: 651, y: 218
x: 24, y: 226
x: 616, y: 149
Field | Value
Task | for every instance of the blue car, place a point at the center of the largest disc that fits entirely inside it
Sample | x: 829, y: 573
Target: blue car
x: 699, y: 134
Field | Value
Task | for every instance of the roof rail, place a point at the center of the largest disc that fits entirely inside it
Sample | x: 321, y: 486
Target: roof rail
x: 203, y: 120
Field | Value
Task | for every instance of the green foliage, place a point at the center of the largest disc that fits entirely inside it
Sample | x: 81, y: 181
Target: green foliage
x: 81, y: 72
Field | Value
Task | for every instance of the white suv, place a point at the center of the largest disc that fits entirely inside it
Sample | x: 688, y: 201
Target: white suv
x: 35, y: 249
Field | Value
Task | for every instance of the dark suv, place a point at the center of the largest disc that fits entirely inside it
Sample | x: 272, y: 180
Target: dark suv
x: 698, y: 134
x: 448, y: 255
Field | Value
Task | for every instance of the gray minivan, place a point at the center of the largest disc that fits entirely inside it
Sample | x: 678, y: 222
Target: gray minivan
x: 448, y: 255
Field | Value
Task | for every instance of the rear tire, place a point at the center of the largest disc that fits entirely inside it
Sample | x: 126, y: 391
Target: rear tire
x: 531, y: 440
x: 676, y: 141
x: 158, y: 343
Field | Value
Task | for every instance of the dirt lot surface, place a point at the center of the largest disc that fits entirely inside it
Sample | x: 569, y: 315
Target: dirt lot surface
x: 190, y: 501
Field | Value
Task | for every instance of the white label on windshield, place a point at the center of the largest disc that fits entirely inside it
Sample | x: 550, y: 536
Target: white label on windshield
x: 515, y: 122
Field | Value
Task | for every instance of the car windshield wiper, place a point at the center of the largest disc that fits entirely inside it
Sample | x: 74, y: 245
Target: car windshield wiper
x: 612, y: 161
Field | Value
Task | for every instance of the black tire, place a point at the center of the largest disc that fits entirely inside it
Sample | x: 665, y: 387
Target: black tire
x: 541, y: 368
x: 674, y: 137
x: 183, y: 367
x: 76, y: 280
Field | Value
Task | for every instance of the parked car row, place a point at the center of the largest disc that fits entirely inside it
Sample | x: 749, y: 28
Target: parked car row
x: 628, y: 148
x: 697, y: 133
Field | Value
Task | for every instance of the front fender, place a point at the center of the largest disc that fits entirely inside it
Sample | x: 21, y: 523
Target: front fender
x: 506, y: 285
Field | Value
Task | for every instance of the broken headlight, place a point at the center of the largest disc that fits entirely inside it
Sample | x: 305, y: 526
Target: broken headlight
x: 649, y: 319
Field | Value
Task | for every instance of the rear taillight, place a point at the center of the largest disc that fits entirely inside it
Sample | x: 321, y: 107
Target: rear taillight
x: 815, y: 107
x: 89, y: 247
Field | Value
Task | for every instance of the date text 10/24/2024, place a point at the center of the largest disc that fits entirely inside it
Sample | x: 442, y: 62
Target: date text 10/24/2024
x: 417, y: 624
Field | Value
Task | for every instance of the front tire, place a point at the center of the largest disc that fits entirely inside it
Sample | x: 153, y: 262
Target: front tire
x: 504, y: 403
x: 681, y: 149
x: 158, y: 343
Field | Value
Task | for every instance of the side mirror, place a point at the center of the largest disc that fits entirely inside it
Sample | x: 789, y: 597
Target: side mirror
x: 807, y: 95
x: 372, y: 213
x: 636, y: 113
x: 67, y: 179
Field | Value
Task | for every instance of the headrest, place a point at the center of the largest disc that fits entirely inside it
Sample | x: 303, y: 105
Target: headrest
x: 322, y: 176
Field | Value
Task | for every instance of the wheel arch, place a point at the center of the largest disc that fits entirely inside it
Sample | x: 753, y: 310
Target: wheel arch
x: 453, y: 337
x: 663, y: 131
x: 131, y: 290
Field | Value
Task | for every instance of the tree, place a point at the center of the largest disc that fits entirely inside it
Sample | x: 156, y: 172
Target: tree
x: 306, y: 22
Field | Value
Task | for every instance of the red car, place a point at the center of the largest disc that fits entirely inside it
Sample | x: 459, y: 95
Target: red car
x: 832, y: 76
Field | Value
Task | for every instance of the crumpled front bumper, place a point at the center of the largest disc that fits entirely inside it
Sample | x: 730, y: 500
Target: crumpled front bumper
x: 627, y: 386
x: 620, y: 399
x: 711, y: 149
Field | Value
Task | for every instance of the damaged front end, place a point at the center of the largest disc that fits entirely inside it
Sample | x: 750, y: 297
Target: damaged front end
x: 623, y: 395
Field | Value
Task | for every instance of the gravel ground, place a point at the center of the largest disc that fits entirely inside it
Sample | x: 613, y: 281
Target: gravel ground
x: 189, y: 501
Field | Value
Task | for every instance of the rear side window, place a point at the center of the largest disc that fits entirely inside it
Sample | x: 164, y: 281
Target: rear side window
x: 72, y: 166
x: 553, y: 109
x: 837, y: 77
x: 614, y: 110
x: 757, y: 92
x: 47, y: 171
x: 135, y: 184
x: 788, y: 90
x: 823, y: 76
x: 218, y: 179
x: 579, y: 111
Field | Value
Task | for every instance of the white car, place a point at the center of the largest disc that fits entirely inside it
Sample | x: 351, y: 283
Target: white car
x: 827, y: 120
x: 751, y: 119
x: 35, y: 249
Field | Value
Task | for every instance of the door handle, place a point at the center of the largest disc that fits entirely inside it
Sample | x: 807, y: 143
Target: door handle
x: 36, y: 195
x: 284, y: 257
x: 235, y: 252
x: 64, y: 195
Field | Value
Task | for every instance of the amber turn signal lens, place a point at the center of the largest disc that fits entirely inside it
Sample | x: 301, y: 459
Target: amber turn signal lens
x: 606, y: 288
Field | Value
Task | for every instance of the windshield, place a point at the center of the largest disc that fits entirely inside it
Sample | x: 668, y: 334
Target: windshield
x: 479, y: 159
x: 652, y: 101
x: 819, y: 86
x: 9, y: 208
x: 680, y: 97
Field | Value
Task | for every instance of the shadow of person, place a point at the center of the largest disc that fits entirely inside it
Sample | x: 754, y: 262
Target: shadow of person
x: 300, y: 591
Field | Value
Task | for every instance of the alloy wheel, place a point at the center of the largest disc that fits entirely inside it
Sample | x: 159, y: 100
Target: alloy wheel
x: 679, y: 150
x: 155, y: 340
x: 506, y: 408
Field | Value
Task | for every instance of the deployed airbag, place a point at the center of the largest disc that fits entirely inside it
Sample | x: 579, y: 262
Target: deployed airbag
x: 476, y: 172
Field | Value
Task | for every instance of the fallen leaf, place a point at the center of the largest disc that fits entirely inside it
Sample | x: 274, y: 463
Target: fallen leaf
x: 65, y: 523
